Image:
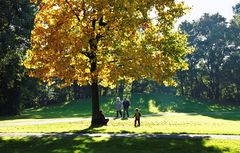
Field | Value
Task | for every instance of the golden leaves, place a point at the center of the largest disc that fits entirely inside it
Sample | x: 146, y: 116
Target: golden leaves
x: 119, y: 36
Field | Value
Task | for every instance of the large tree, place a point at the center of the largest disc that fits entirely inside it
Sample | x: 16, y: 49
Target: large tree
x: 99, y: 42
x: 213, y: 72
x: 16, y: 23
x: 208, y: 35
x: 231, y: 68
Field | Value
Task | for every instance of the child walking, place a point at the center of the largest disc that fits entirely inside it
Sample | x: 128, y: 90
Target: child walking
x: 137, y: 116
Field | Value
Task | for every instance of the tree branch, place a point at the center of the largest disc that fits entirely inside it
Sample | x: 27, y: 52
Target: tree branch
x: 101, y: 23
x: 73, y: 10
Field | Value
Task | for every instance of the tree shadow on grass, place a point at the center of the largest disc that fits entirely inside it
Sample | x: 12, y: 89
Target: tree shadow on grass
x: 234, y: 116
x: 106, y: 145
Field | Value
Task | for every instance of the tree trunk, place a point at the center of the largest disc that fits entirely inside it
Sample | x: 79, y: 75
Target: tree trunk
x: 181, y: 84
x: 95, y: 104
x: 95, y: 95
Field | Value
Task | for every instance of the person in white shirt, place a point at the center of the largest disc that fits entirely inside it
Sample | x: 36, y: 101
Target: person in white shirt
x: 118, y: 106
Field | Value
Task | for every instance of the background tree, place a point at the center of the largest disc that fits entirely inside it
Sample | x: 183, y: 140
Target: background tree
x: 16, y: 23
x: 212, y: 73
x: 101, y: 42
x: 231, y: 68
x: 211, y: 48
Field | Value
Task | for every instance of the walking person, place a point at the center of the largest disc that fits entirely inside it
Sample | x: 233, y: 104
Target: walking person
x: 137, y: 116
x: 126, y: 105
x: 118, y: 106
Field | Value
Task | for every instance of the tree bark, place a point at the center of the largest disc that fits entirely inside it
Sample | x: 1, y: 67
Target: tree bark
x: 95, y: 94
x: 95, y: 104
x: 93, y: 59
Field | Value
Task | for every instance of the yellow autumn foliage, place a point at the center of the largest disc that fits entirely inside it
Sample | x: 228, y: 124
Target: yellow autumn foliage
x: 105, y: 41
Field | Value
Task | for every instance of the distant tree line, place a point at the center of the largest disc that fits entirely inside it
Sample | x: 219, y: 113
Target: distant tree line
x: 214, y: 71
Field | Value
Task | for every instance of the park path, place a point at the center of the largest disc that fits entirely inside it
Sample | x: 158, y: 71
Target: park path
x: 21, y: 122
x: 127, y: 135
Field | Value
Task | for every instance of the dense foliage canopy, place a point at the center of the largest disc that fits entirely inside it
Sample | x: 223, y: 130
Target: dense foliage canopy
x: 104, y: 41
x: 213, y: 68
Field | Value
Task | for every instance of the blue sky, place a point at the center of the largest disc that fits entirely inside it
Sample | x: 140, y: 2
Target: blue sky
x: 199, y: 7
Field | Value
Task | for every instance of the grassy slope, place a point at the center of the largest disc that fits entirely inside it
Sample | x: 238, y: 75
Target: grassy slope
x: 148, y: 103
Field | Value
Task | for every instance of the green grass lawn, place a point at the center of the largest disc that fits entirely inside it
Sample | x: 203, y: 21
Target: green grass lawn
x: 208, y: 118
x: 168, y: 123
x: 116, y: 144
x: 176, y: 115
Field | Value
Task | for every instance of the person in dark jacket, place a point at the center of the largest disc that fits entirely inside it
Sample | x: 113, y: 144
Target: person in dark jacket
x: 102, y: 119
x: 126, y: 105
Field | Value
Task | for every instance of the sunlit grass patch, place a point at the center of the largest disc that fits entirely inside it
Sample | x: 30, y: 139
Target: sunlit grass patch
x: 167, y: 123
x: 152, y: 107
